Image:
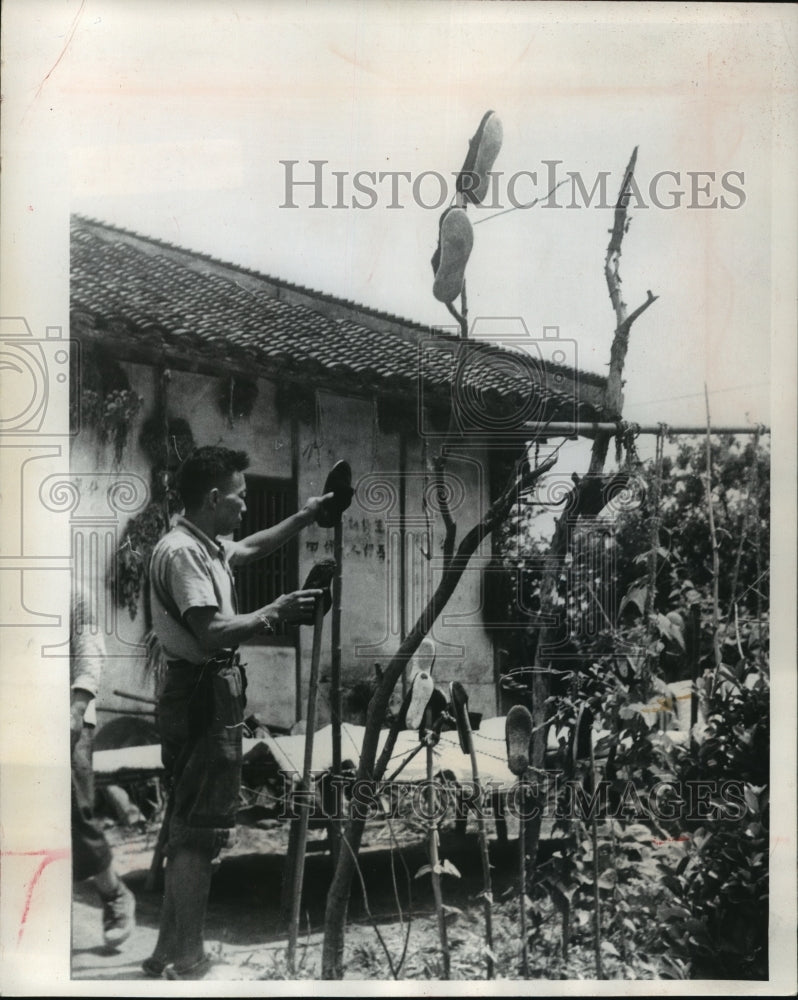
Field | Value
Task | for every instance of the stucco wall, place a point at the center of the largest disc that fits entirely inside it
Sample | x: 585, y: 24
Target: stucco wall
x: 371, y: 621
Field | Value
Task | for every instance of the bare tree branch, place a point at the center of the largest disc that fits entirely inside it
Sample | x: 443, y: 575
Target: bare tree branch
x: 338, y: 895
x: 446, y: 514
x: 613, y: 395
x: 714, y: 540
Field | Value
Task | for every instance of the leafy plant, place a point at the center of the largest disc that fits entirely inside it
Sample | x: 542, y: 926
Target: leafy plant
x: 102, y: 397
x: 132, y: 561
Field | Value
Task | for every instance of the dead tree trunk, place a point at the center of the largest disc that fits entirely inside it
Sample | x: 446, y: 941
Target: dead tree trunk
x: 368, y: 771
x: 612, y: 410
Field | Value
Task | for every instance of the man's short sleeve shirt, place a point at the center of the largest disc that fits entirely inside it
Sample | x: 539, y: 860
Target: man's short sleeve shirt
x: 187, y: 570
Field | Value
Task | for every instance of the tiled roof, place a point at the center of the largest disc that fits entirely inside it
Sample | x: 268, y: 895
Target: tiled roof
x: 168, y: 300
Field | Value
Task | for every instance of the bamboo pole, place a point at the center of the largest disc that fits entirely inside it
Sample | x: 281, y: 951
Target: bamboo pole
x: 714, y: 540
x: 487, y: 887
x: 298, y: 871
x: 434, y: 857
x: 585, y: 428
x: 596, y: 876
x: 522, y: 874
x: 336, y: 701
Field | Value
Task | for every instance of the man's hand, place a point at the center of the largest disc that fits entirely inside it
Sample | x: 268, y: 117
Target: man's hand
x: 313, y: 506
x: 77, y: 709
x: 297, y: 608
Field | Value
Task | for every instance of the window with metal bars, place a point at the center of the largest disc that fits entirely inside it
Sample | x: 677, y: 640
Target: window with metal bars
x: 269, y: 501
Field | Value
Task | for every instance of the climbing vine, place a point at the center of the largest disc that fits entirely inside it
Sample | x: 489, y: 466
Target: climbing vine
x: 237, y: 397
x: 104, y: 400
x: 166, y: 441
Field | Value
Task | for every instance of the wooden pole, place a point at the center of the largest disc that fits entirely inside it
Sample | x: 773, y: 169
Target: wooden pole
x: 336, y: 704
x: 695, y: 655
x: 298, y: 862
x: 596, y: 887
x: 715, y: 548
x: 487, y: 888
x: 434, y: 857
x: 587, y: 428
x: 522, y: 879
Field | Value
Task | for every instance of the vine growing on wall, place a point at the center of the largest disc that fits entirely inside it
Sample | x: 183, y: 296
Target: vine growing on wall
x: 237, y: 396
x: 166, y: 441
x: 104, y: 400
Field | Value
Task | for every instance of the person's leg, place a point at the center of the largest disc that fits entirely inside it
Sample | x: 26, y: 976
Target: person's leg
x: 107, y: 882
x: 188, y: 883
x: 91, y: 855
x: 166, y: 944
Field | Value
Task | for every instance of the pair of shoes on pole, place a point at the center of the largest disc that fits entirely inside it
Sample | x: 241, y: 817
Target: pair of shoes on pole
x: 455, y: 233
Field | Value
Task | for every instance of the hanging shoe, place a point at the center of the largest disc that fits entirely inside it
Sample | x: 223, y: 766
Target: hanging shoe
x: 320, y: 578
x: 518, y: 733
x: 473, y: 180
x: 119, y: 916
x: 421, y: 688
x: 339, y: 483
x: 459, y: 700
x: 455, y: 241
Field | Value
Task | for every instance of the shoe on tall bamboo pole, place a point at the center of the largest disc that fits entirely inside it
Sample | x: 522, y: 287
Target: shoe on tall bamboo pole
x: 473, y: 180
x: 455, y: 242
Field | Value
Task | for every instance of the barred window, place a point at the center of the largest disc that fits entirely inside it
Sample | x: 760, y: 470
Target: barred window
x: 269, y: 501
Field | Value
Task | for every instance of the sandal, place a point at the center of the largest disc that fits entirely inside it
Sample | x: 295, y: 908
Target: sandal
x: 459, y: 699
x: 421, y: 688
x: 518, y: 733
x: 455, y: 241
x: 339, y: 482
x: 320, y: 578
x: 473, y: 180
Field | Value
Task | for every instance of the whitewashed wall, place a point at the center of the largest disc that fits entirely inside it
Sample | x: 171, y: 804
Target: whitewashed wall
x: 371, y: 621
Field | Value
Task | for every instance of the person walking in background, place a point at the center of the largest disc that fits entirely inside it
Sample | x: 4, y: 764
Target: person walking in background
x: 91, y: 853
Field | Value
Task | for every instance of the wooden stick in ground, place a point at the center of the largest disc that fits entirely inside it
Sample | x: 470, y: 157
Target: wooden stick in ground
x: 596, y: 890
x: 522, y: 878
x: 434, y: 859
x: 715, y: 561
x: 482, y: 833
x: 304, y: 804
x: 336, y: 704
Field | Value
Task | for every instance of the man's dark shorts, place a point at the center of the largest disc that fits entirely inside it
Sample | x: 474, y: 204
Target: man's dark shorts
x: 201, y: 717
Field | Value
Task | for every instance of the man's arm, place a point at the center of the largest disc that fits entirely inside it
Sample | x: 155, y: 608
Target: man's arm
x: 261, y: 543
x: 215, y: 631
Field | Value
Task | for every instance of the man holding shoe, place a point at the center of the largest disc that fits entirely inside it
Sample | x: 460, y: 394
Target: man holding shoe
x: 201, y: 707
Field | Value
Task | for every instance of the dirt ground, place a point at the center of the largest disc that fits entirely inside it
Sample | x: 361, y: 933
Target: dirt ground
x: 247, y: 933
x: 245, y: 930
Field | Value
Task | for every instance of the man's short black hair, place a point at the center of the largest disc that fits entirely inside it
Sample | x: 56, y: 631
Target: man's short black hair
x: 205, y: 469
